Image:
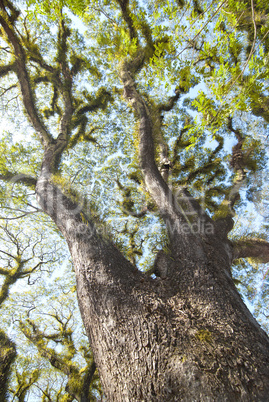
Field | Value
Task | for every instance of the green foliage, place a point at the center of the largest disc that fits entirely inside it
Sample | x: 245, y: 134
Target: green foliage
x: 196, y: 69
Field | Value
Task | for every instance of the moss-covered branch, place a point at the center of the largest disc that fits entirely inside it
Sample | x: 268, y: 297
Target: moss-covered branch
x: 66, y: 88
x: 256, y: 249
x: 13, y: 177
x: 80, y: 119
x: 5, y: 70
x: 7, y: 356
x: 14, y: 274
x: 166, y: 107
x: 39, y: 339
x: 22, y: 73
x: 126, y: 14
x: 79, y: 380
x: 25, y: 381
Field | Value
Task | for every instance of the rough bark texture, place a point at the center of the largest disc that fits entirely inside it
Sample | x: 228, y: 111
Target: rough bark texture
x: 7, y: 356
x: 183, y: 338
x: 186, y: 337
x: 257, y: 249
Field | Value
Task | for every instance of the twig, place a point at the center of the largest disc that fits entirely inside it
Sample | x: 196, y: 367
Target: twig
x: 8, y: 89
x: 252, y: 47
x: 203, y: 27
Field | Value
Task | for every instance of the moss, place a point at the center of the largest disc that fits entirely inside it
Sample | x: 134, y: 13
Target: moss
x: 7, y: 357
x: 204, y: 335
x: 224, y: 210
x: 74, y: 384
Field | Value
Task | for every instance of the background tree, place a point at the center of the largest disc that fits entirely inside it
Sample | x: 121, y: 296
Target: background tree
x: 16, y: 268
x: 117, y: 107
x: 33, y: 309
x: 7, y: 356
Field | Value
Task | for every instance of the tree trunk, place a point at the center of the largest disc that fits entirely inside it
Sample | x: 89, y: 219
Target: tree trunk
x: 186, y: 337
x: 7, y: 356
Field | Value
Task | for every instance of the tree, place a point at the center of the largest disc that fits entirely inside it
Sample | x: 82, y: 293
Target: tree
x: 49, y: 320
x: 181, y: 330
x: 54, y: 361
x: 15, y: 270
x: 81, y: 380
x: 7, y: 356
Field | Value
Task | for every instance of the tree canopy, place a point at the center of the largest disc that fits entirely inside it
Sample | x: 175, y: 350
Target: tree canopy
x: 127, y: 107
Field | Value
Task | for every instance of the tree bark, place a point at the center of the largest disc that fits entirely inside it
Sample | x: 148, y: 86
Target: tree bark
x: 183, y: 338
x: 257, y: 249
x: 7, y: 356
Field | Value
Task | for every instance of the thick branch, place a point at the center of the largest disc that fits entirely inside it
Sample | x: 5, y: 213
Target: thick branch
x: 225, y: 223
x: 4, y: 70
x: 166, y: 107
x: 153, y: 179
x: 19, y: 178
x: 67, y: 81
x: 11, y: 277
x: 72, y: 220
x: 174, y: 211
x: 9, y: 280
x: 257, y: 249
x: 124, y: 5
x: 157, y: 187
x: 37, y: 338
x: 23, y: 76
x: 7, y: 356
x: 86, y: 381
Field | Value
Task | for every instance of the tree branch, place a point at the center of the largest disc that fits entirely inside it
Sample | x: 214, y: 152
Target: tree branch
x: 174, y: 211
x: 153, y: 179
x: 23, y: 76
x: 86, y: 381
x: 225, y: 222
x: 78, y: 384
x: 67, y: 81
x: 36, y: 57
x: 166, y: 107
x: 7, y: 355
x: 37, y: 338
x: 12, y: 275
x: 4, y: 70
x: 5, y: 90
x: 19, y: 178
x: 124, y: 5
x: 257, y: 249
